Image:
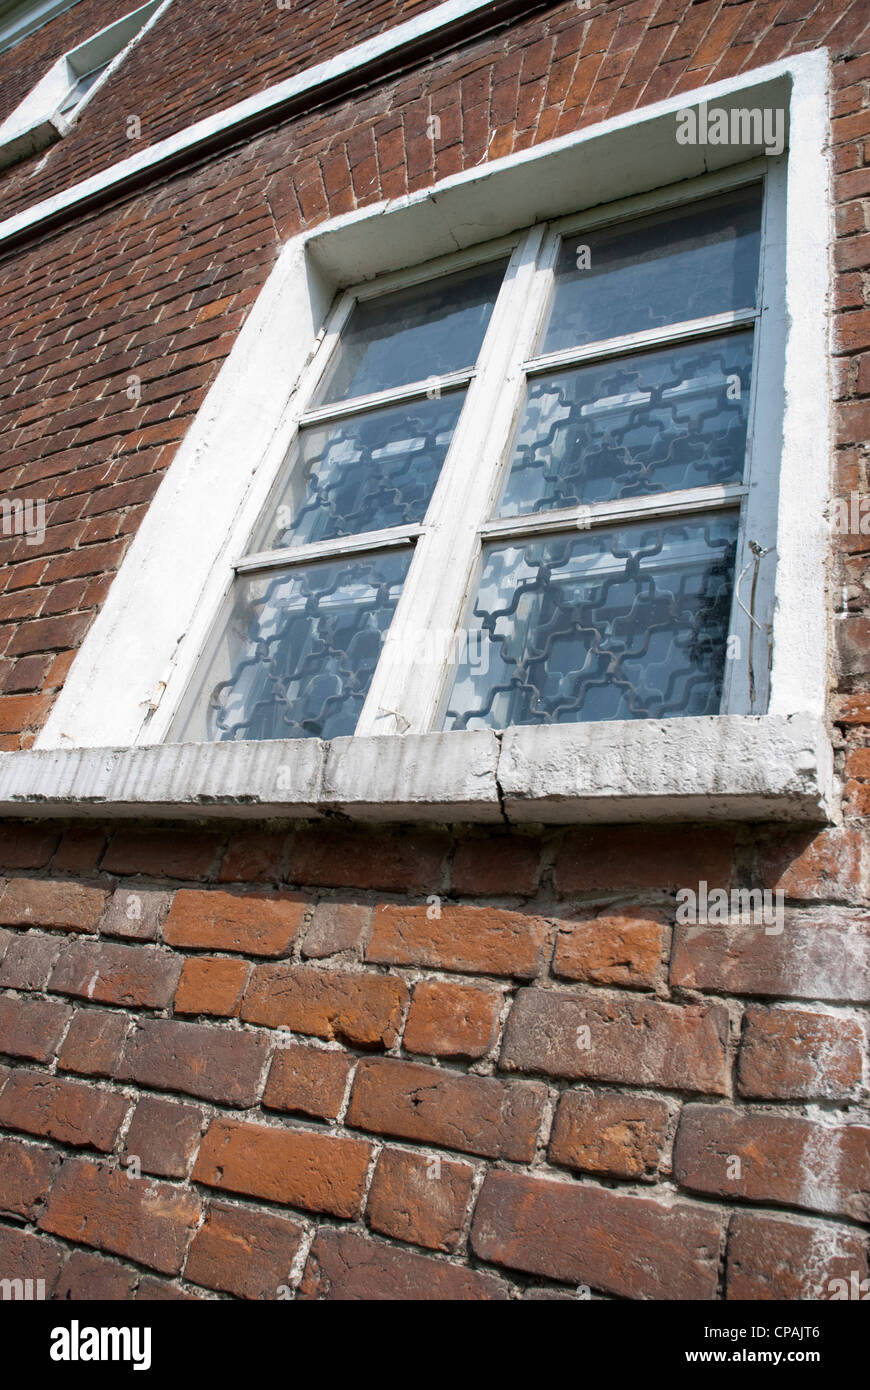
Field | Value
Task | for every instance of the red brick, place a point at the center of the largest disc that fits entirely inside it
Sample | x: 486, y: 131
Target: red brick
x: 613, y: 948
x: 618, y: 1038
x: 783, y: 1158
x: 90, y: 1277
x: 452, y: 1020
x: 138, y: 976
x: 769, y: 1258
x: 815, y: 867
x: 479, y: 940
x: 26, y: 846
x: 164, y: 1136
x: 346, y: 1266
x: 491, y: 866
x: 162, y: 853
x: 394, y: 860
x: 69, y: 1111
x: 359, y: 1008
x: 629, y: 857
x: 31, y: 1027
x: 218, y: 921
x: 476, y: 1114
x: 613, y: 1133
x: 32, y: 902
x: 135, y: 914
x: 28, y: 960
x: 633, y: 1247
x: 79, y: 851
x: 308, y: 1080
x: 824, y: 956
x: 243, y: 1252
x: 792, y: 1054
x: 25, y: 1256
x: 149, y: 1222
x: 219, y: 1064
x: 211, y: 985
x: 300, y: 1168
x: 26, y: 1171
x: 419, y: 1198
x: 94, y: 1042
x: 253, y: 856
x: 336, y: 927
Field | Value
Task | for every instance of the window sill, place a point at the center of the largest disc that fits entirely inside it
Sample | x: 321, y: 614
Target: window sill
x: 725, y: 768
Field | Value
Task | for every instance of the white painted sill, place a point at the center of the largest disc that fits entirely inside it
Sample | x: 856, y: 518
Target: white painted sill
x: 776, y: 766
x: 724, y: 768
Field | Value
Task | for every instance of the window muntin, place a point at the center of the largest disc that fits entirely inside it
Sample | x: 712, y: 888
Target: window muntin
x: 682, y: 450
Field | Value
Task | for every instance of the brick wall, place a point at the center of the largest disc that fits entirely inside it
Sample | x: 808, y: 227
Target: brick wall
x: 429, y: 1064
x: 291, y: 1040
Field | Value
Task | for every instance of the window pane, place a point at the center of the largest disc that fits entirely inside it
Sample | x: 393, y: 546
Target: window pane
x: 621, y: 623
x: 667, y: 268
x: 410, y: 335
x: 363, y: 473
x: 651, y: 422
x: 297, y: 656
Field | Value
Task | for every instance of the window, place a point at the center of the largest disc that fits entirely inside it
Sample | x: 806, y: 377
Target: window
x: 49, y: 111
x: 19, y: 18
x: 594, y: 546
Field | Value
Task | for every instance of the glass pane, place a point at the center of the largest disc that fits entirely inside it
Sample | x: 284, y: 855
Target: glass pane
x: 413, y: 334
x: 667, y: 268
x: 296, y: 658
x: 651, y: 422
x: 363, y: 473
x: 621, y: 623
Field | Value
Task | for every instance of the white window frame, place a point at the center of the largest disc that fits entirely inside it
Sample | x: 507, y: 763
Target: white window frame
x: 38, y: 120
x: 163, y: 602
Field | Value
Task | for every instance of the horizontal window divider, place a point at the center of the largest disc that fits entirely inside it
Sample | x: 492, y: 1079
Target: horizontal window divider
x: 636, y: 342
x: 583, y: 517
x: 334, y: 549
x: 393, y: 396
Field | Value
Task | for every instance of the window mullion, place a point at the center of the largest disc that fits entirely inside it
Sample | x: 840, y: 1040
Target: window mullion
x: 405, y: 690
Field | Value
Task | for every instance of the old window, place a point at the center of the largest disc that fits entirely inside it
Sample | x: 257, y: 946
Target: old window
x: 459, y: 542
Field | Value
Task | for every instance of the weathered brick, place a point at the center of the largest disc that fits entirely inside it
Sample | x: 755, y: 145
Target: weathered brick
x: 633, y: 857
x: 243, y: 1252
x: 336, y: 927
x: 218, y: 1064
x: 253, y: 856
x: 614, y: 1133
x: 139, y: 976
x: 25, y: 1256
x: 360, y: 1008
x: 28, y: 960
x: 91, y: 1277
x: 633, y: 1247
x: 824, y: 957
x: 476, y: 1114
x: 164, y: 1136
x: 782, y: 1158
x: 33, y: 902
x: 613, y: 948
x: 211, y: 985
x: 31, y: 1027
x: 792, y: 1054
x: 69, y: 1111
x: 419, y: 1198
x: 815, y: 868
x: 136, y: 913
x: 615, y: 1037
x: 343, y: 1265
x: 219, y: 921
x: 492, y: 866
x: 94, y: 1042
x: 162, y: 853
x: 299, y: 1168
x: 480, y: 940
x: 149, y: 1222
x: 771, y: 1258
x: 308, y: 1080
x: 26, y: 846
x: 452, y: 1020
x: 396, y: 861
x: 26, y: 1171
